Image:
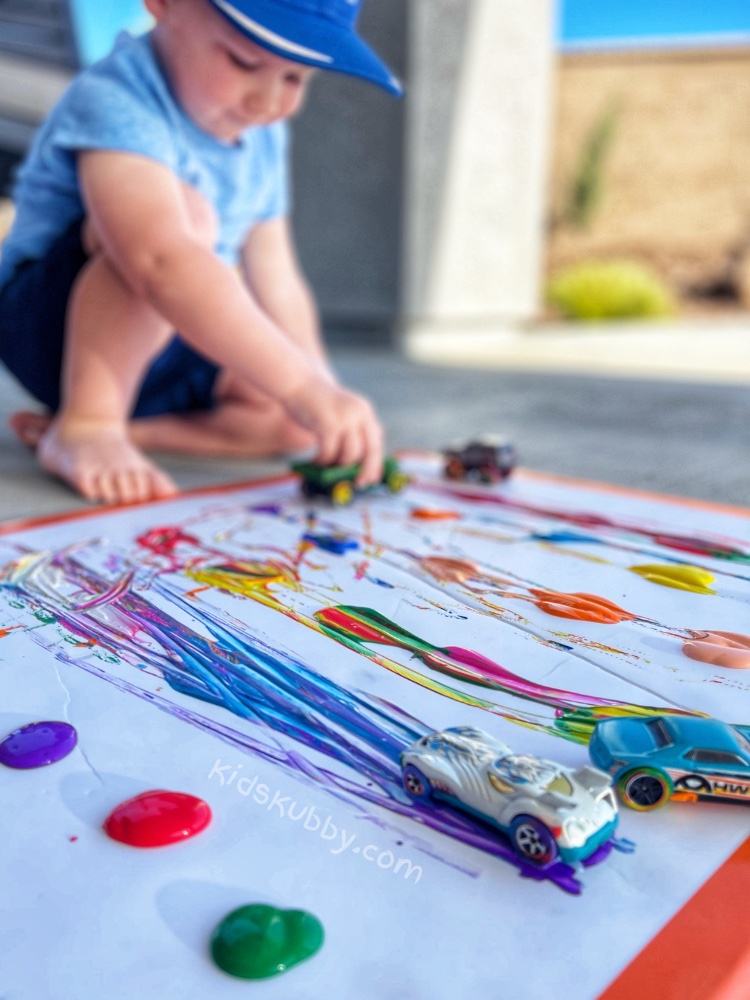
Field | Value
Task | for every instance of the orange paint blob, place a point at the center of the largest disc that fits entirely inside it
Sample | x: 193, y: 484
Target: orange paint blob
x: 450, y: 570
x: 580, y: 607
x: 723, y: 649
x: 433, y: 514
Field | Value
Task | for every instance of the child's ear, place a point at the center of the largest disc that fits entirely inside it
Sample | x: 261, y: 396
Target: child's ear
x: 157, y: 8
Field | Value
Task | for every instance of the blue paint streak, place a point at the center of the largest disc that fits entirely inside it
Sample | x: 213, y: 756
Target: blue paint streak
x: 563, y: 536
x: 336, y: 544
x: 239, y: 671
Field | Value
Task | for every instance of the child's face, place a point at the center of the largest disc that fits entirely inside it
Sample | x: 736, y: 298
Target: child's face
x: 222, y: 79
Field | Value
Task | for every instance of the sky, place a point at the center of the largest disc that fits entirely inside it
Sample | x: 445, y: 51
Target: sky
x: 97, y: 23
x: 581, y: 21
x: 597, y: 20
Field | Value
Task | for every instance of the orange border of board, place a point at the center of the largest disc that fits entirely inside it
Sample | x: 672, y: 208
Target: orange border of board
x: 713, y: 924
x: 27, y: 523
x: 704, y: 950
x: 23, y: 524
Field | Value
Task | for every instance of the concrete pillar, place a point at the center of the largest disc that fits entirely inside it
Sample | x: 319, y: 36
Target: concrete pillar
x: 427, y: 216
x: 478, y: 120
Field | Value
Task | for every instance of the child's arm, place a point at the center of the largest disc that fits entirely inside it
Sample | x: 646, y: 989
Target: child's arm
x: 274, y: 276
x: 138, y: 211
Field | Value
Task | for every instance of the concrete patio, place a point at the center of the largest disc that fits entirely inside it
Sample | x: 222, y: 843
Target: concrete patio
x: 679, y: 436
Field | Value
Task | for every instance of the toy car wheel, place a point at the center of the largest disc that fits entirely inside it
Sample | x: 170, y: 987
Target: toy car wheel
x: 416, y: 784
x: 489, y: 474
x: 533, y: 841
x: 644, y: 789
x: 307, y: 491
x: 342, y: 493
x: 397, y: 481
x: 454, y: 468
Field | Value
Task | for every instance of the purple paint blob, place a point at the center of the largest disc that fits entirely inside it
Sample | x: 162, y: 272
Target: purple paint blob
x: 38, y: 744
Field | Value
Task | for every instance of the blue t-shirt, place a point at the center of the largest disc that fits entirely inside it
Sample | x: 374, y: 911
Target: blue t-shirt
x: 124, y: 103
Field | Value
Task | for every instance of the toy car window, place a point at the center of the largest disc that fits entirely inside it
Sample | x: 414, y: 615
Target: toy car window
x: 498, y: 784
x: 660, y: 732
x: 714, y: 757
x: 742, y: 743
x: 560, y: 784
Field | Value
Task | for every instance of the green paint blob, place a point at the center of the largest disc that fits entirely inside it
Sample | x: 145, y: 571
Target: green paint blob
x: 259, y: 941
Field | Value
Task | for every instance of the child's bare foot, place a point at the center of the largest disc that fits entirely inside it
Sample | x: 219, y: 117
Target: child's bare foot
x: 29, y: 427
x: 100, y: 463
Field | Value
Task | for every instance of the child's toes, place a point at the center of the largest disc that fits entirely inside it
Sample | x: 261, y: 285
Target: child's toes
x: 125, y: 485
x: 162, y: 485
x: 141, y: 488
x: 108, y: 487
x: 141, y: 485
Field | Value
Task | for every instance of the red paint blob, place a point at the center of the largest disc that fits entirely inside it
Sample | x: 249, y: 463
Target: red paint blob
x: 158, y: 818
x: 163, y: 541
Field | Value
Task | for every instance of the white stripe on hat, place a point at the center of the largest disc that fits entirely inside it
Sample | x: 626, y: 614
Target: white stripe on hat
x: 269, y: 36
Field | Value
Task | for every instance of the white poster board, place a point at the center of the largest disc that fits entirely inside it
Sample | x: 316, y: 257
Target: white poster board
x: 194, y: 646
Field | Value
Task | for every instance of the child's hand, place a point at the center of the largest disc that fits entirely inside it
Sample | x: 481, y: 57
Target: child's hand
x: 345, y: 424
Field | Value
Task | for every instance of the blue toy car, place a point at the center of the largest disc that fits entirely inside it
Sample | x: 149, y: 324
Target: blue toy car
x: 673, y: 756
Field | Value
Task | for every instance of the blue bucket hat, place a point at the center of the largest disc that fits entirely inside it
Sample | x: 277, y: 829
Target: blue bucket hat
x: 314, y: 32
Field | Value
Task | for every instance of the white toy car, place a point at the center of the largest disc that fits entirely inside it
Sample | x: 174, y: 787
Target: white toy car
x: 546, y: 810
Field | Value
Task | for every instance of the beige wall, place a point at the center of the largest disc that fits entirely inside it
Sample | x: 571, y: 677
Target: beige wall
x: 677, y: 182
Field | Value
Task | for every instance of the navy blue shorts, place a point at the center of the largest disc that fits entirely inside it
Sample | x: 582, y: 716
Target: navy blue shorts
x: 33, y: 305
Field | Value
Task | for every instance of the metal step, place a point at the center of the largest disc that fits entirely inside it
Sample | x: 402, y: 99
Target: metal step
x: 38, y: 29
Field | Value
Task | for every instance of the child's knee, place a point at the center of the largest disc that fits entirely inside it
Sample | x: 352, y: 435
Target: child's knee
x: 203, y: 217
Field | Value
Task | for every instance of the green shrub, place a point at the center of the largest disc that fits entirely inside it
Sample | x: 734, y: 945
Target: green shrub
x: 601, y: 290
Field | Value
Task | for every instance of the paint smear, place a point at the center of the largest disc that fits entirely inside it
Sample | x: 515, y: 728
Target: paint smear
x: 691, y: 578
x: 575, y: 606
x: 722, y: 649
x: 256, y: 942
x: 434, y: 514
x: 356, y: 626
x: 227, y: 664
x: 450, y: 570
x: 580, y: 607
x: 714, y: 548
x: 336, y: 543
x: 157, y: 818
x: 250, y: 578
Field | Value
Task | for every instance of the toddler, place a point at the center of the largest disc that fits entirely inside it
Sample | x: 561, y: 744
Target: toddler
x: 154, y: 200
